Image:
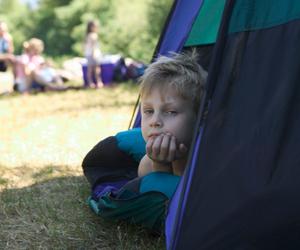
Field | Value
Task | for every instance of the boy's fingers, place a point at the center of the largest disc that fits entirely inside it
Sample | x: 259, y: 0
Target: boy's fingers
x: 164, y: 147
x: 149, y: 146
x: 172, y: 149
x: 156, y: 146
x: 182, y: 150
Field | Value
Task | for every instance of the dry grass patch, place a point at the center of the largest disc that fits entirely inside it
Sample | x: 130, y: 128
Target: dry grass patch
x: 43, y: 139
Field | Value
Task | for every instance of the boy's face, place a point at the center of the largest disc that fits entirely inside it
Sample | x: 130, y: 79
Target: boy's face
x: 164, y: 111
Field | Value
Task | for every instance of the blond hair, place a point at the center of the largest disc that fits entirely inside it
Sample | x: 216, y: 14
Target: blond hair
x: 180, y: 72
x: 35, y: 44
x: 3, y: 26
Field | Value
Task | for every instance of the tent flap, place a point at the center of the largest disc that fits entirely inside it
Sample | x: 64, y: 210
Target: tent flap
x: 206, y: 25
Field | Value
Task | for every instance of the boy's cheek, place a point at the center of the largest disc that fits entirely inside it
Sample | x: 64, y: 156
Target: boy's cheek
x: 144, y: 134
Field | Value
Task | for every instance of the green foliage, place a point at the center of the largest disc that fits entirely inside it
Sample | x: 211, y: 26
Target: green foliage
x: 8, y: 5
x: 157, y: 12
x: 130, y: 28
x: 13, y: 19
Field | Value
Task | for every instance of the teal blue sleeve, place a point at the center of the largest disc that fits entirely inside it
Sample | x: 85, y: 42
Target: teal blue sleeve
x: 159, y: 181
x: 132, y: 142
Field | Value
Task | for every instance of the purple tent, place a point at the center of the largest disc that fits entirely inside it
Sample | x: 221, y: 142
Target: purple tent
x: 240, y: 188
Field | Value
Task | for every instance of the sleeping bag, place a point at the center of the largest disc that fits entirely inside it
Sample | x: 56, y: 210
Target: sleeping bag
x: 116, y: 191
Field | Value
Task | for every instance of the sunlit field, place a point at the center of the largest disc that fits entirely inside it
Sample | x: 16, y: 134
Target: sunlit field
x: 43, y: 139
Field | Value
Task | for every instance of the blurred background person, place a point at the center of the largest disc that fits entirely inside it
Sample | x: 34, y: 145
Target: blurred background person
x: 33, y: 71
x: 93, y: 55
x: 6, y: 47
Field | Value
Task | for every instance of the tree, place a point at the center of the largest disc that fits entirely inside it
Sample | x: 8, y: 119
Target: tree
x: 12, y: 17
x: 130, y: 28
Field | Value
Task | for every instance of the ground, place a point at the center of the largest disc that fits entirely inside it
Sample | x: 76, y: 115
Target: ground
x: 43, y: 139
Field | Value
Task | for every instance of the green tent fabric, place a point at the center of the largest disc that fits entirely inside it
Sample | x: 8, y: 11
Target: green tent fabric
x: 255, y: 15
x: 246, y: 16
x: 205, y: 28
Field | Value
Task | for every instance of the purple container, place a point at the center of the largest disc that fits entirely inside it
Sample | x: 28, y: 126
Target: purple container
x: 107, y: 73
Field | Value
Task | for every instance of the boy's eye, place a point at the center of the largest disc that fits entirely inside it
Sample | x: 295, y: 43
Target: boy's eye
x: 171, y: 112
x: 148, y: 111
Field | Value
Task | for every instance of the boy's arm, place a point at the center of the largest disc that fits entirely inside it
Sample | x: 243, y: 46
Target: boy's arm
x: 147, y: 166
x: 162, y: 167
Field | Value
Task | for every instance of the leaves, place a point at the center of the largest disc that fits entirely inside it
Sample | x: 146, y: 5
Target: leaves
x: 130, y: 28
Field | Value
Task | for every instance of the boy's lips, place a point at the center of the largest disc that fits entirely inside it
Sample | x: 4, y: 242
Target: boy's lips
x: 154, y: 135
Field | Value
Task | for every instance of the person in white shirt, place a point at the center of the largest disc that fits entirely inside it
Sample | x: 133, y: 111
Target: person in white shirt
x: 93, y: 55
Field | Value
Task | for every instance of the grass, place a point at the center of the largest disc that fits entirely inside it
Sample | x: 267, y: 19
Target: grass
x: 43, y: 139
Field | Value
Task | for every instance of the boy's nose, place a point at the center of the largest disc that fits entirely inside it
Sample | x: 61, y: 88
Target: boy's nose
x: 156, y: 121
x: 156, y: 124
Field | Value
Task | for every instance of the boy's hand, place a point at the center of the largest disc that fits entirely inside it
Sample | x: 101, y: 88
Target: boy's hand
x: 163, y: 149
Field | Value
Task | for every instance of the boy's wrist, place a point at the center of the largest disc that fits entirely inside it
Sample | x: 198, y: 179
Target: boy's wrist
x: 162, y: 166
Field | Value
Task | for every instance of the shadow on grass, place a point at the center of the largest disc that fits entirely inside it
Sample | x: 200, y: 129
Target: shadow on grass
x: 3, y: 181
x: 53, y: 214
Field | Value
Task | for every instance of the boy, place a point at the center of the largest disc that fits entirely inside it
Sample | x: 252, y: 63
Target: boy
x: 171, y: 90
